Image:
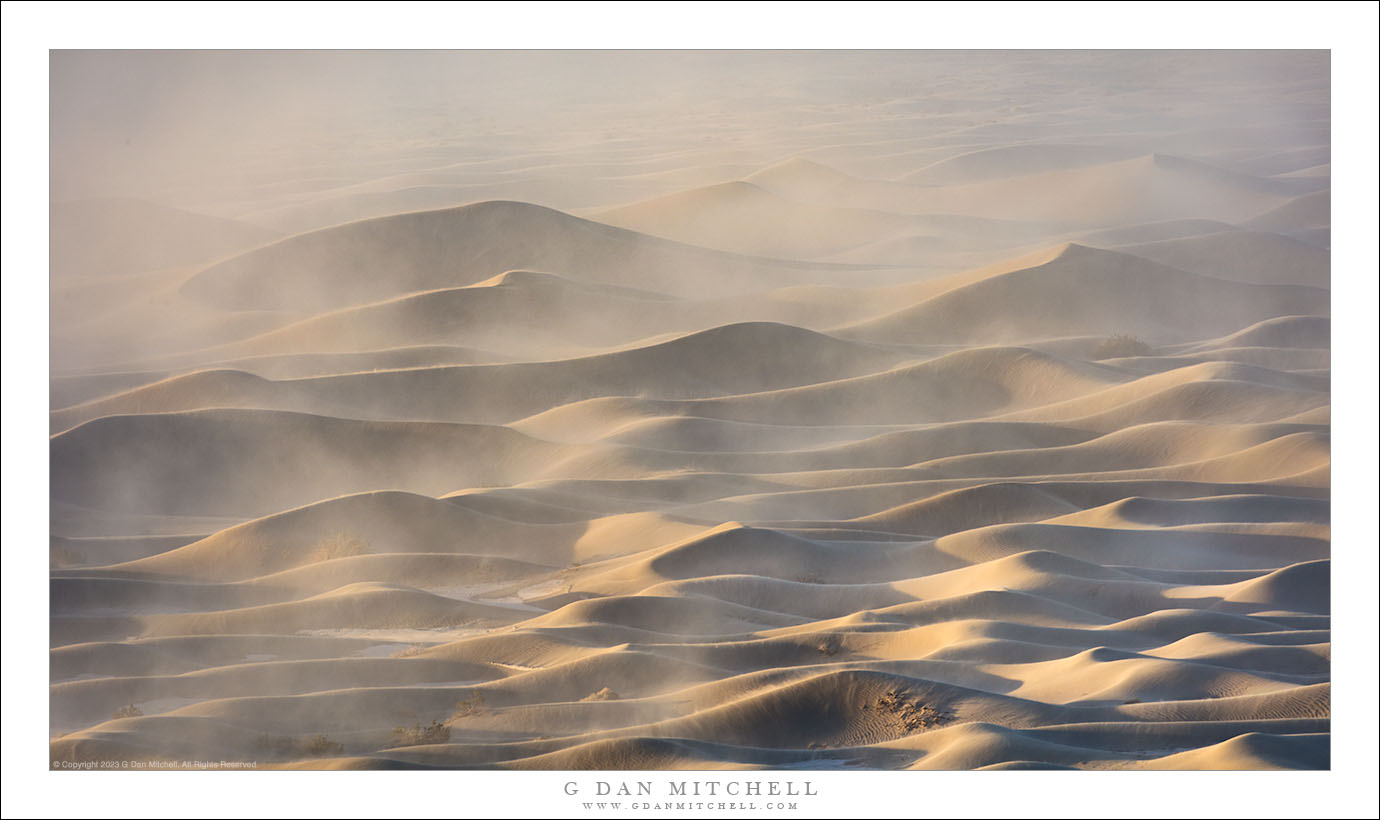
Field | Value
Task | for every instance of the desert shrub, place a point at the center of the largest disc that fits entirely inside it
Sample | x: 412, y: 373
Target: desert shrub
x: 285, y: 746
x: 419, y: 735
x: 129, y: 711
x: 320, y: 746
x: 1119, y: 346
x: 603, y: 694
x: 339, y: 545
x: 59, y: 557
x: 911, y: 714
x: 470, y: 706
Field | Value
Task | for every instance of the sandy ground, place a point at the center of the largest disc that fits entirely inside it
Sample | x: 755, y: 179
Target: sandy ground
x: 964, y: 411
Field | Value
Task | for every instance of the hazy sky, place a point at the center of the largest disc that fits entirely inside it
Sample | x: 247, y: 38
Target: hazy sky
x: 205, y: 127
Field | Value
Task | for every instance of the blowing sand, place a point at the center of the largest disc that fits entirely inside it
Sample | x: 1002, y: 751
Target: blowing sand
x: 978, y: 421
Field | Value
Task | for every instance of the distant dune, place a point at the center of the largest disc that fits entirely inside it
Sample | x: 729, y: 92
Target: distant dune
x: 112, y: 237
x: 1083, y: 291
x: 1145, y: 188
x: 339, y: 267
x: 742, y: 217
x: 1015, y: 160
x: 1242, y: 256
x: 1307, y: 216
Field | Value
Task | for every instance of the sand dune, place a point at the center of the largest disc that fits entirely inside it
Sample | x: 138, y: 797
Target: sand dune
x: 805, y: 179
x: 1140, y: 189
x: 731, y: 215
x: 691, y: 366
x: 795, y: 214
x: 1084, y: 291
x: 333, y: 267
x: 1313, y: 332
x: 887, y: 429
x: 1185, y: 391
x: 960, y: 385
x: 484, y: 312
x: 1308, y: 216
x: 1147, y: 232
x: 1015, y: 160
x: 162, y: 459
x: 79, y: 388
x: 1261, y: 258
x: 348, y: 528
x: 118, y: 323
x: 1287, y: 161
x: 112, y: 237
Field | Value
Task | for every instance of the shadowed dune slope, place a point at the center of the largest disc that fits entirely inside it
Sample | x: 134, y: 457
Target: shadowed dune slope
x: 1083, y: 291
x: 341, y: 266
x: 731, y: 359
x: 230, y: 462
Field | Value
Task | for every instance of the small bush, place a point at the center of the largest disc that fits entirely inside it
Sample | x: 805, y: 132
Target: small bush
x: 289, y: 747
x: 911, y: 714
x: 1121, y: 346
x: 419, y: 735
x: 339, y: 545
x: 129, y: 712
x: 59, y: 557
x: 320, y: 746
x: 470, y: 706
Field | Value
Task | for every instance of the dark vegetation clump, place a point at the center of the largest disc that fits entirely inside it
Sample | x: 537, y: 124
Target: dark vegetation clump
x: 419, y: 735
x: 469, y: 707
x: 913, y: 715
x: 1121, y: 346
x: 59, y: 557
x: 320, y: 746
x: 290, y: 747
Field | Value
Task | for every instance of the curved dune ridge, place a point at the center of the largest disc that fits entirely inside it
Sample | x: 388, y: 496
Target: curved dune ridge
x: 744, y: 217
x: 341, y: 266
x: 1039, y: 478
x: 132, y: 236
x: 1243, y: 256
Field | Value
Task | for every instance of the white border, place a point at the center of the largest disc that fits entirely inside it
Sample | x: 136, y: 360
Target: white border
x: 29, y: 29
